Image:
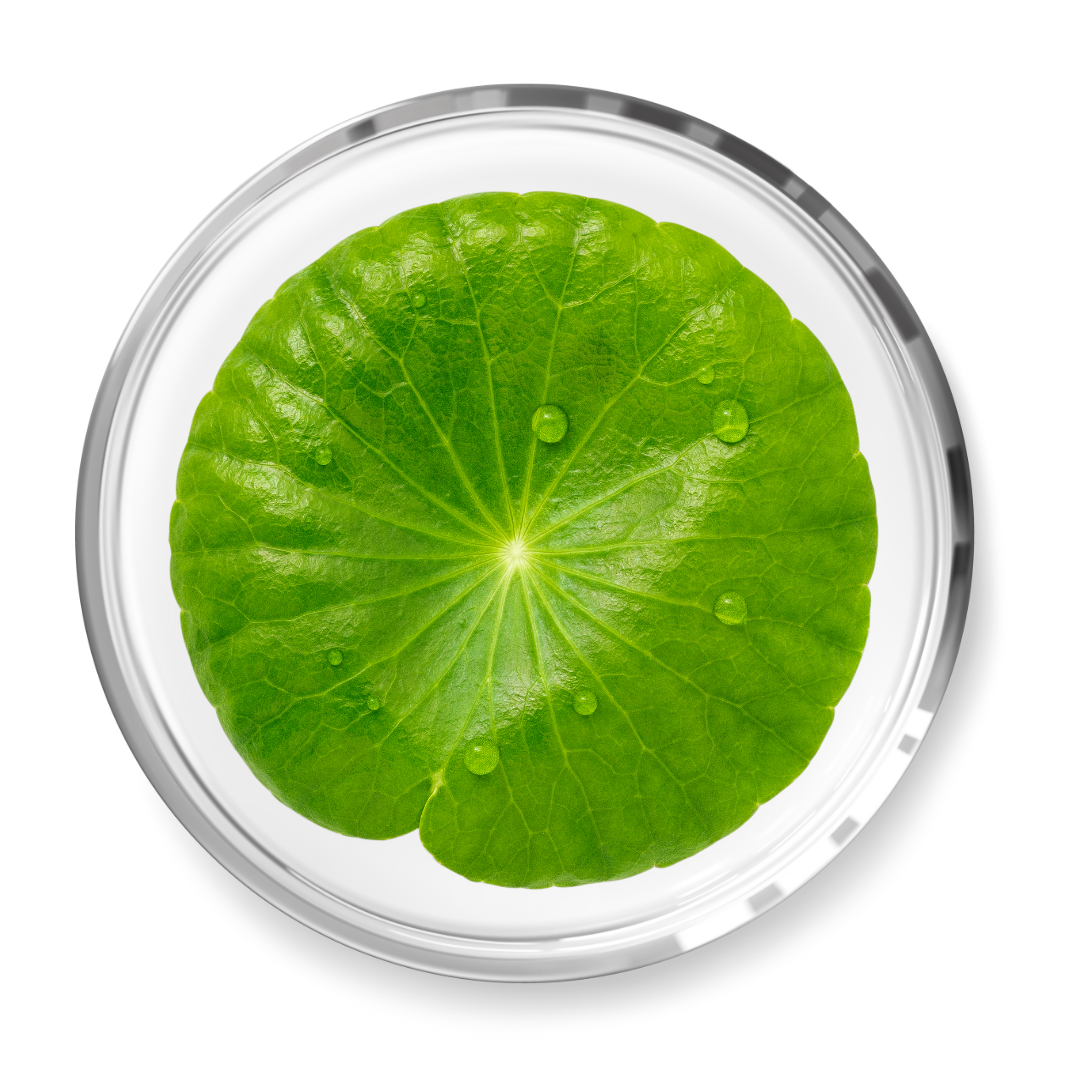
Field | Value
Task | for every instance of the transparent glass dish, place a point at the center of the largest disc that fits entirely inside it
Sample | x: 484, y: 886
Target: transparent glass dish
x: 391, y: 898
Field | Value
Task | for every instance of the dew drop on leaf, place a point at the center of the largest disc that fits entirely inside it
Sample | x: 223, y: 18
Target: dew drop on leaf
x: 706, y: 375
x: 730, y: 422
x: 335, y: 657
x: 373, y: 703
x: 730, y: 608
x: 550, y: 423
x: 481, y: 758
x: 323, y: 456
x: 419, y: 300
x: 585, y: 702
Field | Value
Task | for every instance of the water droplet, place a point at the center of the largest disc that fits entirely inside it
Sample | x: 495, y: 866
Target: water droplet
x: 335, y: 657
x: 373, y: 703
x: 585, y: 702
x: 323, y: 456
x: 419, y: 300
x: 730, y: 608
x: 550, y: 423
x: 730, y: 422
x: 481, y: 758
x: 706, y: 375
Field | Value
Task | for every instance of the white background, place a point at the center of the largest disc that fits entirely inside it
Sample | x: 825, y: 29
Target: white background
x: 942, y: 942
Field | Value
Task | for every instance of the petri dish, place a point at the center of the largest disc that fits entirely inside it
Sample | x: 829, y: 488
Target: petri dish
x: 390, y: 898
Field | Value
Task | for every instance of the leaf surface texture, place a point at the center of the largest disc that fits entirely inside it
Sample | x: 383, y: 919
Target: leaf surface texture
x: 388, y: 582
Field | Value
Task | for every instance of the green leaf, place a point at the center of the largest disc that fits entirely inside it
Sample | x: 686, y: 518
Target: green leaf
x: 530, y: 523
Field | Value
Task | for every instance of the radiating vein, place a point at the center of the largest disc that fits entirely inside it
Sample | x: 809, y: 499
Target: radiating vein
x: 538, y: 653
x: 609, y: 583
x: 487, y: 363
x: 527, y: 490
x: 442, y: 675
x: 362, y: 322
x: 553, y: 486
x: 535, y: 538
x: 618, y: 705
x: 350, y: 604
x: 361, y: 438
x: 334, y: 496
x: 477, y: 556
x: 592, y: 617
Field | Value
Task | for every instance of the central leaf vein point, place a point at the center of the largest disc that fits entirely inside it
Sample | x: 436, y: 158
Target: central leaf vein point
x: 515, y: 553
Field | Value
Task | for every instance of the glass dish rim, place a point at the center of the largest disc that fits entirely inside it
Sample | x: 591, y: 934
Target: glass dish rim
x: 199, y: 811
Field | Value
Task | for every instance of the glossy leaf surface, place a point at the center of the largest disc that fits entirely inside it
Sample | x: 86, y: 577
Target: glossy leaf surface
x: 394, y: 592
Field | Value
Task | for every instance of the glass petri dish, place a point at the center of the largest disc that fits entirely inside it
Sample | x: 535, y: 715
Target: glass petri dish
x: 391, y: 898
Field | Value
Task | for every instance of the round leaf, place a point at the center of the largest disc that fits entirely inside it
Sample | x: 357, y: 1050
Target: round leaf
x: 530, y: 523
